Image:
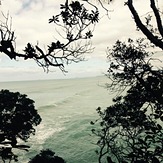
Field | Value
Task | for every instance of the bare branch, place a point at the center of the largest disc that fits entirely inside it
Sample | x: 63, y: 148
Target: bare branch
x: 157, y: 16
x: 154, y: 39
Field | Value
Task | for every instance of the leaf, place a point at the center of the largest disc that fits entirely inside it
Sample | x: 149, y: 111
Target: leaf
x: 159, y: 127
x: 89, y: 34
x: 131, y: 155
x: 54, y: 19
x: 148, y: 137
x: 155, y: 160
x: 76, y: 6
x: 62, y: 6
x: 161, y: 118
x: 92, y: 123
x: 109, y: 160
x: 50, y: 20
x: 94, y: 17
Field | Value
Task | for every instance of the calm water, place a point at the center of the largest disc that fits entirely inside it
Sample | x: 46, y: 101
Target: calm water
x: 66, y: 108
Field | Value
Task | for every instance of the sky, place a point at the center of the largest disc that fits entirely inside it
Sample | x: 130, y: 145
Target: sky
x: 30, y: 24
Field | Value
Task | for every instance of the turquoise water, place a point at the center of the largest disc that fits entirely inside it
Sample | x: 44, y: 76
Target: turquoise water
x: 66, y: 107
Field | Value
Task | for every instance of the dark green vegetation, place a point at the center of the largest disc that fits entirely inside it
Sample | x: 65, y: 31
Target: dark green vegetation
x: 17, y: 120
x: 18, y: 114
x: 130, y: 130
x: 46, y: 156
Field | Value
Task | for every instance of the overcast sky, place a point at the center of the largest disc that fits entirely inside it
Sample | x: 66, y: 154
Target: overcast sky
x: 30, y: 23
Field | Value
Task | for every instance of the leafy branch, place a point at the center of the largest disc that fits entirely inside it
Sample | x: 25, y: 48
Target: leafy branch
x: 77, y: 23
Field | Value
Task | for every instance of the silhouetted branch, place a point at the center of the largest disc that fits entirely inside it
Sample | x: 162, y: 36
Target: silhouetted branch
x: 154, y: 39
x: 76, y: 22
x: 17, y: 120
x: 157, y: 16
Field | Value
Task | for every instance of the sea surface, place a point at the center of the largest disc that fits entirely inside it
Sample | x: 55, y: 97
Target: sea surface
x: 66, y: 106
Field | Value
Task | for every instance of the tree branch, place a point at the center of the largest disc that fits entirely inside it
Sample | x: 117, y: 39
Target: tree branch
x: 158, y: 18
x: 77, y: 23
x: 154, y: 39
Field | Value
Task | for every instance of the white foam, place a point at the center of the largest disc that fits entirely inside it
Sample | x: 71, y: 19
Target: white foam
x: 44, y: 132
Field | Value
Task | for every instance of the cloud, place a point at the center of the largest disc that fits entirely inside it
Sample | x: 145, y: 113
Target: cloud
x: 30, y: 23
x: 26, y: 4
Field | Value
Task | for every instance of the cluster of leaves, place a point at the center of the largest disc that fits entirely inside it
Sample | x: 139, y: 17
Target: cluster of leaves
x: 128, y: 61
x: 74, y: 19
x: 75, y: 14
x: 131, y: 129
x: 17, y: 120
x: 46, y: 156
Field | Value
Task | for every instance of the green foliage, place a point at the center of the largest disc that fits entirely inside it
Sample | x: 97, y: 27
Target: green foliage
x: 128, y: 61
x: 46, y: 156
x: 17, y: 120
x: 131, y: 129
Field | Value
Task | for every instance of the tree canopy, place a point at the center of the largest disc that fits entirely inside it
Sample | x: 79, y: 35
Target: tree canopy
x: 17, y: 120
x: 131, y: 129
x: 46, y: 156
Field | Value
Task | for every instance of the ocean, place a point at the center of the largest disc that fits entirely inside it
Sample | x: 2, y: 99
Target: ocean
x: 67, y: 106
